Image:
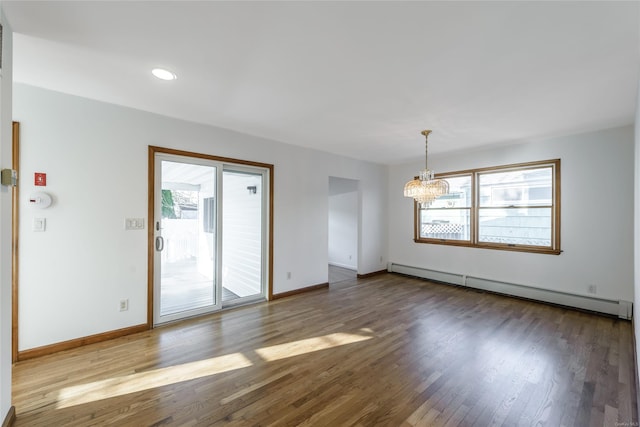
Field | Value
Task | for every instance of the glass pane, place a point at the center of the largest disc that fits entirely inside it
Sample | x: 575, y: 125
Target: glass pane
x: 459, y: 193
x: 520, y: 226
x: 524, y: 187
x: 188, y: 223
x: 241, y: 235
x: 451, y: 224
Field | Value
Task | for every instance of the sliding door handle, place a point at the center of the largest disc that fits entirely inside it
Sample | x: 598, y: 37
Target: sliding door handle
x: 159, y: 243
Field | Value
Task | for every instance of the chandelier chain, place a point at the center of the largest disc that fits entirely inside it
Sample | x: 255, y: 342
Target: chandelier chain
x: 424, y: 189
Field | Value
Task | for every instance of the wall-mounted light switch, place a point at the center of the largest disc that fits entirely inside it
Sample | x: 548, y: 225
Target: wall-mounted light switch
x: 39, y: 224
x: 134, y: 224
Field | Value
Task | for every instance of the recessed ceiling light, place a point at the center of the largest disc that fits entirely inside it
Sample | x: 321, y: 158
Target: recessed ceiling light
x: 163, y: 74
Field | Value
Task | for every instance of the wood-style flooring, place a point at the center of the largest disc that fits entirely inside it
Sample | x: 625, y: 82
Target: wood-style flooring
x: 340, y: 274
x: 386, y: 351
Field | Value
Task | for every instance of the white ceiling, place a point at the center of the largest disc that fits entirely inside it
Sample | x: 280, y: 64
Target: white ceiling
x: 360, y: 79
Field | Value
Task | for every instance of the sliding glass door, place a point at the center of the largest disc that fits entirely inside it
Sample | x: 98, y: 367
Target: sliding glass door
x: 242, y: 238
x: 186, y: 241
x: 210, y: 235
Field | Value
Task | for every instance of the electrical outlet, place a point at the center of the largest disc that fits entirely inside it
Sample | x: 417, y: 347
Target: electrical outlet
x: 288, y: 275
x: 124, y: 304
x: 592, y: 289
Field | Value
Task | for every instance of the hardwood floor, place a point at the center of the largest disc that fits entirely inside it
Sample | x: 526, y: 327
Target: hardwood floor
x: 387, y: 351
x: 341, y: 274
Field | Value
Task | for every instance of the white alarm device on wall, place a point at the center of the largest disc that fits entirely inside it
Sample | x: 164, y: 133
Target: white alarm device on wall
x: 40, y: 200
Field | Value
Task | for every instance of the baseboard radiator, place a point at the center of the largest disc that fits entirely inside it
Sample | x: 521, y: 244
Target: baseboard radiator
x: 622, y: 309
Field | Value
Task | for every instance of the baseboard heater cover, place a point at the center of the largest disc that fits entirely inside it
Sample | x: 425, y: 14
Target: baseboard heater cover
x: 620, y: 308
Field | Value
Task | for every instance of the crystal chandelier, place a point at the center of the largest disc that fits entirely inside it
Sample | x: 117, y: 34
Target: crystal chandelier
x: 424, y: 189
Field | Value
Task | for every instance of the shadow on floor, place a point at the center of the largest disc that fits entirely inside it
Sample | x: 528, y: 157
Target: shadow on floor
x: 340, y: 274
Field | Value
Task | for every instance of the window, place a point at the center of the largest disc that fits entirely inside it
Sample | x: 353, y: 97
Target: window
x: 449, y: 216
x: 515, y: 207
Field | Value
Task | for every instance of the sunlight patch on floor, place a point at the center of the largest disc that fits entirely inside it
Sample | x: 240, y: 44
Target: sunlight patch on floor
x: 309, y: 345
x: 112, y: 387
x: 119, y: 386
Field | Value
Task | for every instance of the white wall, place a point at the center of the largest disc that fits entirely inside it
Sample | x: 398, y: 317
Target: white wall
x: 343, y: 222
x: 95, y: 157
x: 5, y: 219
x: 597, y: 217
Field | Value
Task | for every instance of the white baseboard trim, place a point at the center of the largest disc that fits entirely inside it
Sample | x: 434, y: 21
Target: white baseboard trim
x: 622, y: 309
x: 337, y: 264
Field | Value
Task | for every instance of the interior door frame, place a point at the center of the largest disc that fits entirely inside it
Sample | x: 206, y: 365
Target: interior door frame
x: 153, y: 150
x: 15, y: 228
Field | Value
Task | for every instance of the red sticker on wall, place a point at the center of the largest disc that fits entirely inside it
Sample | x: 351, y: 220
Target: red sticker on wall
x: 41, y: 179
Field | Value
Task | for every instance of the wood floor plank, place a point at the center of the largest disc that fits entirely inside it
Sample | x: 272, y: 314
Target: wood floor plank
x: 388, y: 350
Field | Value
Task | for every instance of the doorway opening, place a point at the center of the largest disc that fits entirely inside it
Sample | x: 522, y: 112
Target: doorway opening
x: 344, y: 226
